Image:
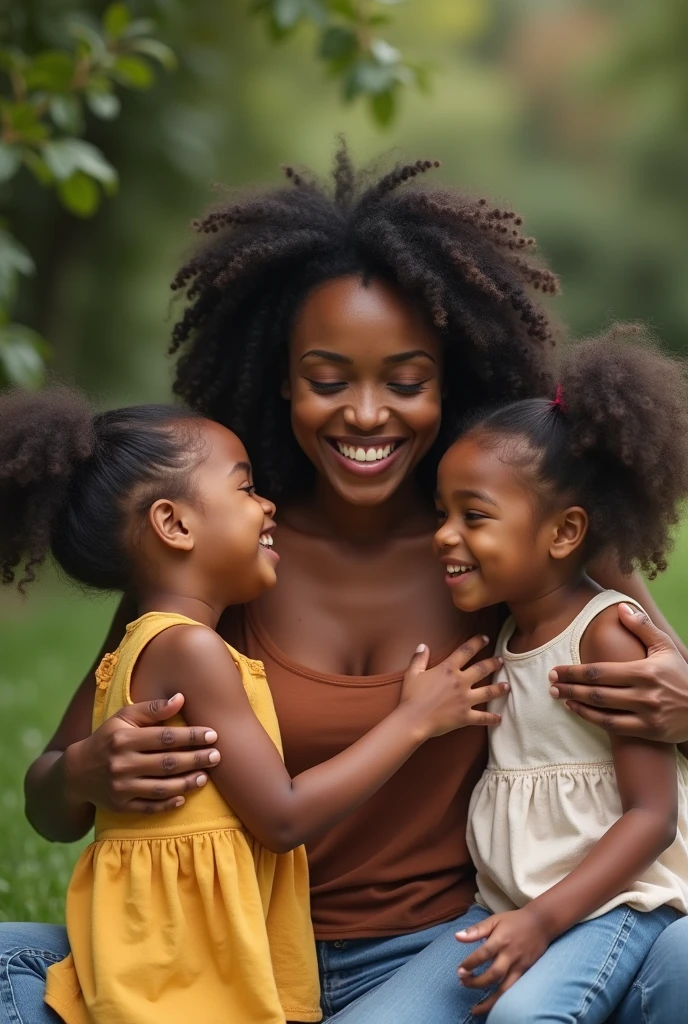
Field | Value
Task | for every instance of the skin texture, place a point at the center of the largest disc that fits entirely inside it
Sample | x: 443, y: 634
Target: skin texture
x: 531, y: 560
x: 377, y: 547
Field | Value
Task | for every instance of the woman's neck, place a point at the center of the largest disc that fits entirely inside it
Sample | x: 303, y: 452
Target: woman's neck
x: 326, y: 514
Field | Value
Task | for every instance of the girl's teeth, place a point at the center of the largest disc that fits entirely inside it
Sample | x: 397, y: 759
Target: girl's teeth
x: 266, y: 541
x: 457, y: 570
x: 364, y: 454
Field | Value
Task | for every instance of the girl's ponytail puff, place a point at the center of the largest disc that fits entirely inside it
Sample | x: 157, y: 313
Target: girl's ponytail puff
x: 44, y: 439
x: 625, y: 407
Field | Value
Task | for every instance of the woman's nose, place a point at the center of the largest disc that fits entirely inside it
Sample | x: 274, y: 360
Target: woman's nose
x: 366, y: 412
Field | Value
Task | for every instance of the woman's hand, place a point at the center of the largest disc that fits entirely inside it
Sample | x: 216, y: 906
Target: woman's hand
x: 647, y: 698
x: 513, y: 942
x: 134, y: 764
x: 445, y: 697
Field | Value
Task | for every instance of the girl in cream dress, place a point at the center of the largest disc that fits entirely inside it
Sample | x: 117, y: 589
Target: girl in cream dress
x: 580, y: 838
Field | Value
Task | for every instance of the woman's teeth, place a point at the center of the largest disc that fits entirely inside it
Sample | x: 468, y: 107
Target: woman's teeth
x: 265, y: 540
x: 365, y: 454
x: 457, y: 570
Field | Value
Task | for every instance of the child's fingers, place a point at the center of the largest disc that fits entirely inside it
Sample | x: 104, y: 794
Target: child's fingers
x: 498, y: 969
x: 481, y: 1008
x: 475, y: 932
x: 479, y: 956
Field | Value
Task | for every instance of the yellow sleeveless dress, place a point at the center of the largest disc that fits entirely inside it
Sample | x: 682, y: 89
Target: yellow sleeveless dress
x: 183, y: 916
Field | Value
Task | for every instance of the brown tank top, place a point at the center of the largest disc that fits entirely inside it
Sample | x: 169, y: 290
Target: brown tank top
x: 400, y: 863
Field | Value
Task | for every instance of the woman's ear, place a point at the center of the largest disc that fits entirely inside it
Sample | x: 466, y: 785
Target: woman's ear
x: 570, y: 530
x: 171, y: 526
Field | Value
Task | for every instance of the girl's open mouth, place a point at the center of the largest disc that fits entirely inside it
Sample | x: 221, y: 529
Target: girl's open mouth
x: 366, y: 458
x: 265, y: 541
x: 456, y: 573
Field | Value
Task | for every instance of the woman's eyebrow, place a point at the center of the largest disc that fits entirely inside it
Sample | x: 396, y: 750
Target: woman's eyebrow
x: 321, y: 353
x: 402, y: 357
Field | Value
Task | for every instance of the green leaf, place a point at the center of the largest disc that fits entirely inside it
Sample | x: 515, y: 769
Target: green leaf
x: 66, y: 156
x: 24, y: 121
x: 66, y: 113
x: 105, y: 105
x: 383, y: 107
x: 368, y: 77
x: 22, y: 354
x: 384, y: 53
x: 15, y: 261
x: 10, y: 161
x: 337, y: 43
x: 52, y: 70
x: 90, y: 40
x: 79, y: 194
x: 158, y: 51
x: 345, y: 8
x: 115, y: 20
x: 133, y: 72
x: 38, y: 167
x: 287, y: 13
x: 139, y: 27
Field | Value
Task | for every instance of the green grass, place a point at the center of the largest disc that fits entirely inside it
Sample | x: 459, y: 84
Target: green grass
x: 46, y: 645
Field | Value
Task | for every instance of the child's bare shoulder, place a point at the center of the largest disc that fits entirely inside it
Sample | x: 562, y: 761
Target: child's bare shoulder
x: 606, y: 639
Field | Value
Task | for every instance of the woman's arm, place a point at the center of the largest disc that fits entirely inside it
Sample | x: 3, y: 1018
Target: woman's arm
x: 131, y: 762
x: 647, y: 698
x: 282, y: 812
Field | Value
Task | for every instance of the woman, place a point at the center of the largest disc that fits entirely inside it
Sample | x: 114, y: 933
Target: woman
x: 342, y: 338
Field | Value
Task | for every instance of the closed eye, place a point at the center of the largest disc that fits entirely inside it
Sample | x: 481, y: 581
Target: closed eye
x: 473, y: 517
x: 323, y: 388
x: 249, y: 488
x: 408, y: 389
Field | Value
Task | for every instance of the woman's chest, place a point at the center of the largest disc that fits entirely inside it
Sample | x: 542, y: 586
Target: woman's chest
x: 361, y: 616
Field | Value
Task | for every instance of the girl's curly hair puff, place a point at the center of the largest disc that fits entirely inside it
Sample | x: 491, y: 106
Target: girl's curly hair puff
x: 615, y: 441
x: 466, y: 264
x: 71, y: 480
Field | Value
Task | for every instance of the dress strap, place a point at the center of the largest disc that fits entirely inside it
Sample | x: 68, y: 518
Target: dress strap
x: 601, y: 601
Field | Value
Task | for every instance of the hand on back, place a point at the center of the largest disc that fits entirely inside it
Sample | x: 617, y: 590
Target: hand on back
x: 448, y: 696
x: 135, y: 764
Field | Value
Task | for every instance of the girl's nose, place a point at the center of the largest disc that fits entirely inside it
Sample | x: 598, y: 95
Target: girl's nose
x: 446, y: 538
x: 269, y: 507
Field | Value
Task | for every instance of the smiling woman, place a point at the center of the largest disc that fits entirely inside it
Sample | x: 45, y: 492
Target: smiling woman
x: 321, y: 328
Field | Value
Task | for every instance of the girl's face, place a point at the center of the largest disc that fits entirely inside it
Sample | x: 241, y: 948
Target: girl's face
x: 365, y: 387
x: 495, y: 544
x: 230, y: 524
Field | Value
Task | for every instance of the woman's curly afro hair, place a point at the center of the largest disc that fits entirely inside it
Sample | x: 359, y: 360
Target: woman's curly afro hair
x: 465, y: 263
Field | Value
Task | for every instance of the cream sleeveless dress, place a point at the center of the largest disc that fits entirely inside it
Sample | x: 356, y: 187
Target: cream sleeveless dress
x: 549, y: 791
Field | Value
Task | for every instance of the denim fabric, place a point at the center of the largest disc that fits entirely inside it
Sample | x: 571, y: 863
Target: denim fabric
x: 410, y: 979
x: 584, y: 975
x: 26, y: 953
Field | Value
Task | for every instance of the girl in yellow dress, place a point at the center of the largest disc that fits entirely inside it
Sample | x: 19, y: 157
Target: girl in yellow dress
x: 201, y: 911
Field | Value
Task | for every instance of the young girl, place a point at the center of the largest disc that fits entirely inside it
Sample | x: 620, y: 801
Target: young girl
x: 565, y: 826
x: 203, y: 910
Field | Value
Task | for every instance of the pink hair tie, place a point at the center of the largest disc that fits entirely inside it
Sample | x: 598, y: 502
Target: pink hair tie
x: 558, y: 400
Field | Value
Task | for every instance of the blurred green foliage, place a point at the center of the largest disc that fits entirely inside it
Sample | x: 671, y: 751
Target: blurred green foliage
x: 42, y: 116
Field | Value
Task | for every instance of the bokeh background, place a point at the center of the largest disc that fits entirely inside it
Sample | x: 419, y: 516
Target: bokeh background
x: 574, y: 112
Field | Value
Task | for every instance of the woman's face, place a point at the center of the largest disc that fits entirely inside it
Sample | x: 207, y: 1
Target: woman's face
x: 365, y: 387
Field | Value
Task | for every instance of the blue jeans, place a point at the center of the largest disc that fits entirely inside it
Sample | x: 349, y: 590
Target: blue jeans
x: 412, y: 977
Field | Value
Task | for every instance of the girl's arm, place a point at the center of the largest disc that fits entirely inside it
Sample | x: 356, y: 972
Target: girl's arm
x: 650, y: 700
x: 132, y: 762
x: 282, y: 812
x: 647, y: 782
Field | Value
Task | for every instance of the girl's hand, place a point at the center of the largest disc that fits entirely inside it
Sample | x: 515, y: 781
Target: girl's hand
x: 133, y: 764
x: 513, y: 941
x: 647, y: 699
x: 444, y: 697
